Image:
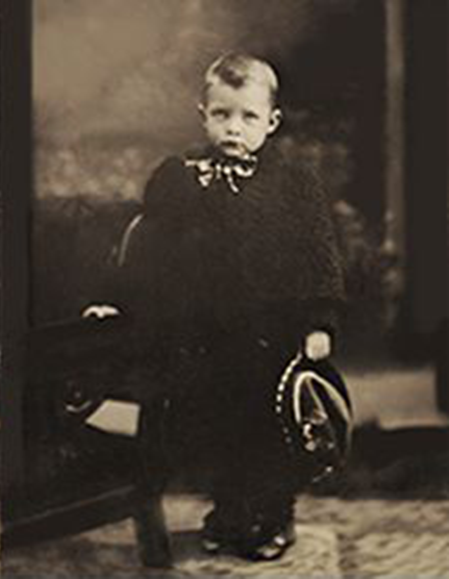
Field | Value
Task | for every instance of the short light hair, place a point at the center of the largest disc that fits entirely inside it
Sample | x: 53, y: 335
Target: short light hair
x: 237, y: 69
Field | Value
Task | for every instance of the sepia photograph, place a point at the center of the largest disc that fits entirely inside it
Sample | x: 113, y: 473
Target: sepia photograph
x: 224, y: 323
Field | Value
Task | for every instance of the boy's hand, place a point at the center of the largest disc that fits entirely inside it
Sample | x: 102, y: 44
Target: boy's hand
x: 100, y: 311
x: 318, y: 345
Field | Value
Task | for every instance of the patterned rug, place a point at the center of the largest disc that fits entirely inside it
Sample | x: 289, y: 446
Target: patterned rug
x: 336, y: 539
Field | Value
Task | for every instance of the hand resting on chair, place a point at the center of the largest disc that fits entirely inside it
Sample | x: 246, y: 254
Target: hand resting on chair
x: 100, y: 311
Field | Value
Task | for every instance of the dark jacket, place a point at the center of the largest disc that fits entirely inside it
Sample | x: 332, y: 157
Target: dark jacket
x: 207, y: 256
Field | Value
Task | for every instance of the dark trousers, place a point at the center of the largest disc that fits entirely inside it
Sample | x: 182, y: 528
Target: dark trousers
x: 221, y: 424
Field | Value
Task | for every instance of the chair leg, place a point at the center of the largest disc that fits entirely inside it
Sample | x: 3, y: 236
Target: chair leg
x: 152, y: 537
x: 153, y: 542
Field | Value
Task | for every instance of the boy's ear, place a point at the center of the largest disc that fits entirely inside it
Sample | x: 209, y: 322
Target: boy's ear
x: 275, y: 120
x: 202, y: 111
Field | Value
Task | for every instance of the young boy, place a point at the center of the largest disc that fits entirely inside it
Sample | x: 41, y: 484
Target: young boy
x: 232, y: 268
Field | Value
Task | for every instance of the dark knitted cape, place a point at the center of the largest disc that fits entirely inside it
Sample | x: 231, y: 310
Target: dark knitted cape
x: 204, y: 256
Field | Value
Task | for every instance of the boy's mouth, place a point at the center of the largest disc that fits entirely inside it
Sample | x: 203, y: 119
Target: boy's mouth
x: 234, y: 146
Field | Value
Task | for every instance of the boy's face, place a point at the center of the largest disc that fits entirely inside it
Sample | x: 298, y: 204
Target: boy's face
x: 238, y: 121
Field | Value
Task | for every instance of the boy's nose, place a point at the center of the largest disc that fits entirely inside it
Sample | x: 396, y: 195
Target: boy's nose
x: 233, y: 127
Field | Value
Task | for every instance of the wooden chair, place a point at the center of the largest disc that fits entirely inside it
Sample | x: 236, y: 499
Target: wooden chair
x: 71, y: 368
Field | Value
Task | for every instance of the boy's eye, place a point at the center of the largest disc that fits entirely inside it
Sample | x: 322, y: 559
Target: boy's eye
x: 250, y: 116
x: 220, y: 114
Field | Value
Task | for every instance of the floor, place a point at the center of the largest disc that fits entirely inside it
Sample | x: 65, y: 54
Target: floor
x: 336, y: 538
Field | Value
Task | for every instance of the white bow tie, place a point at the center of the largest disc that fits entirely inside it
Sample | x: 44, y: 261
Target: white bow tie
x: 211, y: 169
